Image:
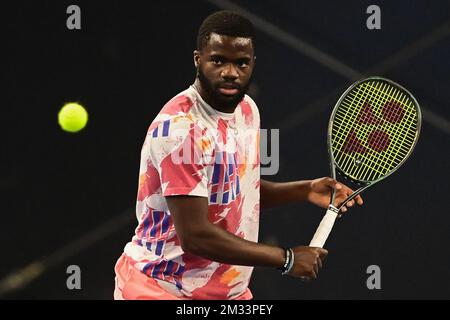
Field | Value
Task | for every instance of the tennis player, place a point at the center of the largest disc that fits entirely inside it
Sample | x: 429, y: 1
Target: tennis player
x: 200, y: 191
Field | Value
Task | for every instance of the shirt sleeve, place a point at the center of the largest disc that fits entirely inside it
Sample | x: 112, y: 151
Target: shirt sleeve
x: 180, y: 151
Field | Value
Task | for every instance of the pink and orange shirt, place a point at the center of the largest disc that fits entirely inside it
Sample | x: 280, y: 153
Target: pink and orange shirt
x: 192, y: 149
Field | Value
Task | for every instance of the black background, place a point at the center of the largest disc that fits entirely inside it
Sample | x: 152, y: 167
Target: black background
x: 130, y: 57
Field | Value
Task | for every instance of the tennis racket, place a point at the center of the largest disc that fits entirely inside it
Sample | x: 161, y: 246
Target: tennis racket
x: 372, y: 130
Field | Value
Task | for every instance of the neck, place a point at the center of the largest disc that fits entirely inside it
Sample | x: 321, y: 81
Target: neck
x: 208, y: 99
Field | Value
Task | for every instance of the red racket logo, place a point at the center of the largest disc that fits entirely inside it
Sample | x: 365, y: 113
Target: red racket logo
x: 378, y: 139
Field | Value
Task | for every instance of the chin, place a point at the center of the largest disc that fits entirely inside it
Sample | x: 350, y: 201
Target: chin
x: 229, y: 100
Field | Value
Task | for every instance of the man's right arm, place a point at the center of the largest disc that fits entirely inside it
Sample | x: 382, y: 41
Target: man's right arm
x: 200, y: 237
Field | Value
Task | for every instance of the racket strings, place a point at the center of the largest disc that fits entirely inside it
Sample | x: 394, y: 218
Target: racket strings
x: 374, y: 129
x: 378, y: 140
x: 375, y: 139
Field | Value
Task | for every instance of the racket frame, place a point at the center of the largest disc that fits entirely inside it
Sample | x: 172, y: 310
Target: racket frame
x: 334, y: 167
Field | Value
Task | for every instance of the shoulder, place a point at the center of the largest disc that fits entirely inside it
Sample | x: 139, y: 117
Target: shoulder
x: 176, y: 128
x: 251, y: 102
x: 250, y: 111
x: 180, y: 104
x: 176, y: 112
x: 173, y: 127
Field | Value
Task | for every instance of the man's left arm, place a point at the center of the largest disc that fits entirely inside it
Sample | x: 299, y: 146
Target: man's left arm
x: 317, y: 191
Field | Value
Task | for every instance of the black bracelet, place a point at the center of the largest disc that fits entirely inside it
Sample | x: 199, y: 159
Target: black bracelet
x: 288, y: 262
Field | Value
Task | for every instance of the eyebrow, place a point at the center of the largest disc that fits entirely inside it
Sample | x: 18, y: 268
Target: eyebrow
x: 246, y: 57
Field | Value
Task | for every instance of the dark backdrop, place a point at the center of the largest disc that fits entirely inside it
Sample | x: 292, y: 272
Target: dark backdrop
x: 129, y: 58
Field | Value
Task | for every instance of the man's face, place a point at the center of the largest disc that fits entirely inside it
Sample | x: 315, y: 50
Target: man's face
x: 225, y: 67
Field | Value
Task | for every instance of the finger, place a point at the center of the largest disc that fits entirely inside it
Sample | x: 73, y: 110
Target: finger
x: 343, y: 209
x: 305, y: 279
x: 359, y: 200
x: 319, y: 263
x: 347, y: 192
x: 333, y: 184
x: 316, y: 266
x: 344, y: 188
x: 350, y: 203
x: 322, y: 253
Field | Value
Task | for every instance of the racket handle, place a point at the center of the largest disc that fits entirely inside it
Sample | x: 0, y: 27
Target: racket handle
x: 324, y: 228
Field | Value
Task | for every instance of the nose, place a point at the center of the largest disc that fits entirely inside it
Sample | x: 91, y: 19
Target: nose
x: 229, y: 72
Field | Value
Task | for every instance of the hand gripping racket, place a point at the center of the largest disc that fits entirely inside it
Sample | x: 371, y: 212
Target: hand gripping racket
x: 372, y: 131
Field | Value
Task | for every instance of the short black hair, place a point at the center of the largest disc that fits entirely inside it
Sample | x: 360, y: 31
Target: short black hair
x: 227, y: 23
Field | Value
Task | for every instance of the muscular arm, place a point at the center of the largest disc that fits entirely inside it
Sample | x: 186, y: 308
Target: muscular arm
x: 278, y: 193
x: 200, y: 237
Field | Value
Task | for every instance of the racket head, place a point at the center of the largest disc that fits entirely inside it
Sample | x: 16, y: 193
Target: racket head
x: 373, y: 129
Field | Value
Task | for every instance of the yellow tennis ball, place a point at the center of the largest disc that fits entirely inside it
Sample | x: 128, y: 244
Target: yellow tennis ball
x: 72, y: 117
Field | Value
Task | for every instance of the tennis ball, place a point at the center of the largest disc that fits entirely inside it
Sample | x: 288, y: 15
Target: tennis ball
x: 72, y: 117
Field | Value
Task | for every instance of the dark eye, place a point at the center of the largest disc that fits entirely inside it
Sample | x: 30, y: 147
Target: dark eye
x: 242, y: 63
x: 216, y: 60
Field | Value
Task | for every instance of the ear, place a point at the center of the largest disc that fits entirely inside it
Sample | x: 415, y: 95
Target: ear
x: 196, y: 58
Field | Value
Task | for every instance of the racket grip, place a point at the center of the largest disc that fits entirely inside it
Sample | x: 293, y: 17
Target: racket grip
x: 324, y: 228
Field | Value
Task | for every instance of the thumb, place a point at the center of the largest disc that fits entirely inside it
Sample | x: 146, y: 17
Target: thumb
x: 332, y: 183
